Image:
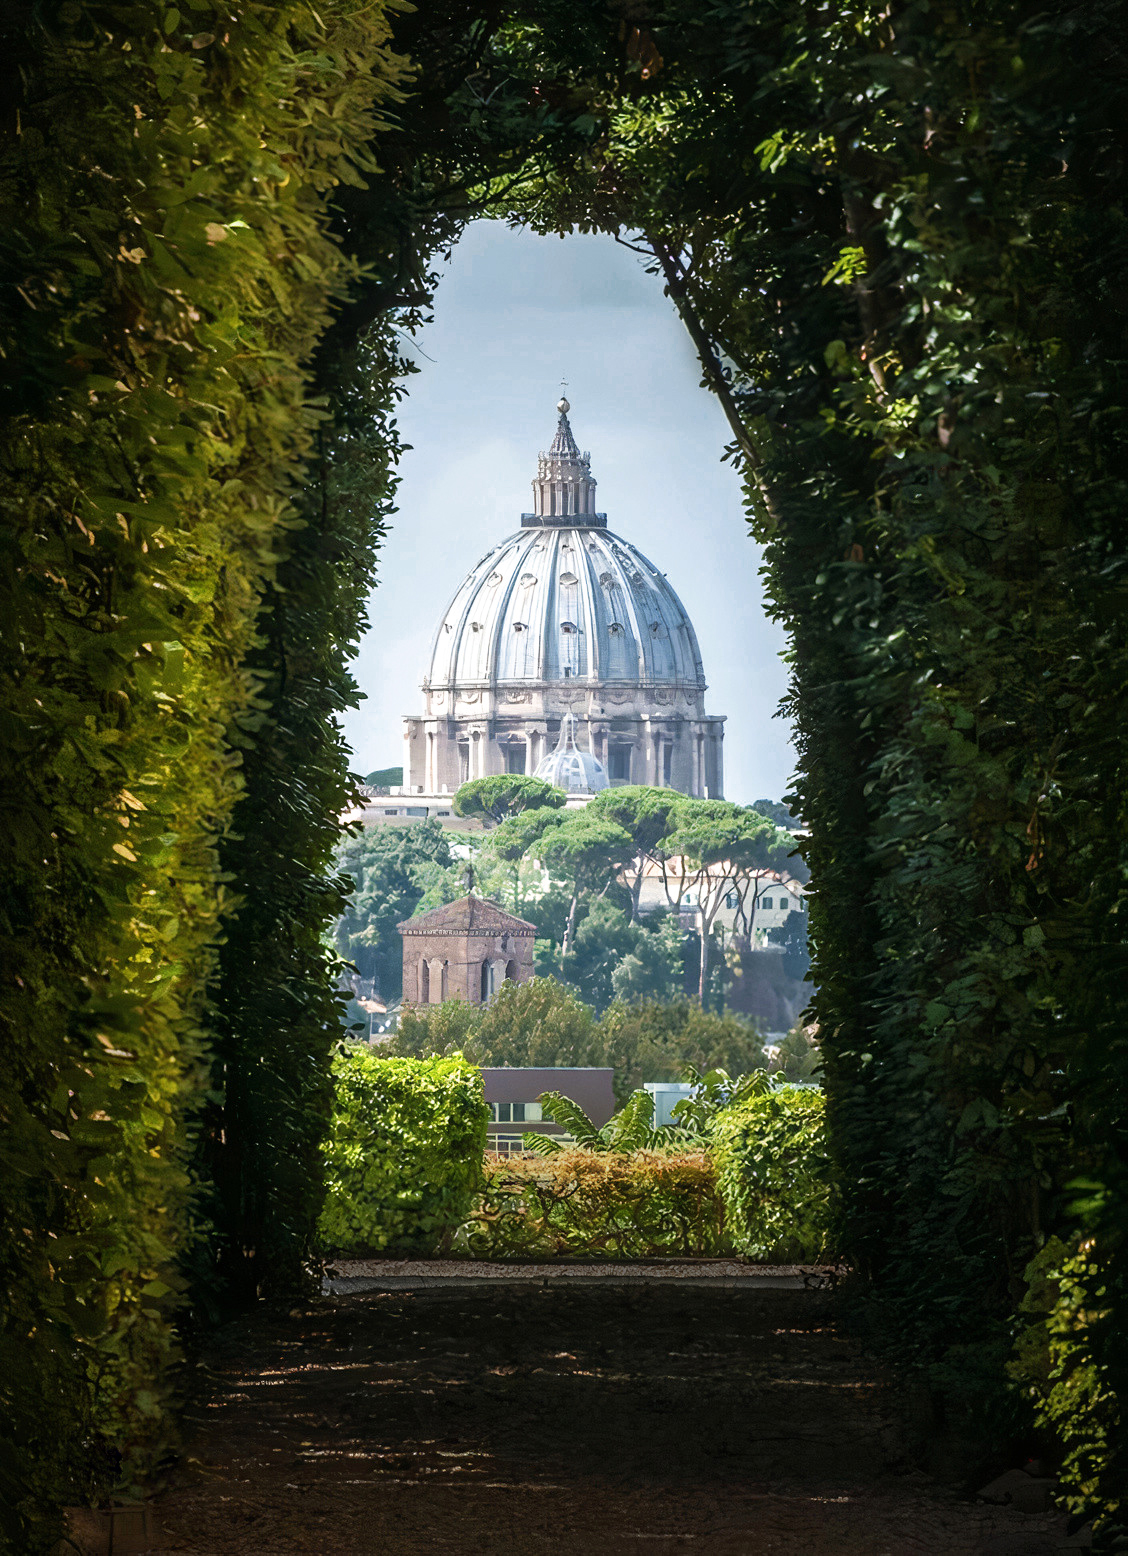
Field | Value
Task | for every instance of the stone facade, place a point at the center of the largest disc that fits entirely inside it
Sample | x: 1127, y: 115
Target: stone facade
x: 565, y: 617
x: 464, y: 950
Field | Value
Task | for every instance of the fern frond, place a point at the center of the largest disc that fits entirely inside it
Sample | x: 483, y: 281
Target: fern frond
x: 632, y: 1125
x: 542, y: 1145
x: 571, y: 1116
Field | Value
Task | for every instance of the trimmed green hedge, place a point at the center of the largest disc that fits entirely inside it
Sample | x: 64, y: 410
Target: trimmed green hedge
x: 168, y: 269
x: 597, y: 1205
x: 404, y: 1154
x: 772, y: 1173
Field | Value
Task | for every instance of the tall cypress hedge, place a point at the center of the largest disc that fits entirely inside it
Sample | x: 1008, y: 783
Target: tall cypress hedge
x: 169, y: 269
x: 898, y: 237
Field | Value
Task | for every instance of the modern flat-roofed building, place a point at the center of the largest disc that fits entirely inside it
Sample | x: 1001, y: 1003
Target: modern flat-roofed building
x: 514, y: 1110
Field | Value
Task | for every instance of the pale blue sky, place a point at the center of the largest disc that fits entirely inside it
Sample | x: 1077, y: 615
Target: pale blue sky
x: 514, y: 314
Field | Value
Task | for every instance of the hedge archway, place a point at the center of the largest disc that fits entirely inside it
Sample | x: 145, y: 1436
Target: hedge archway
x: 897, y: 241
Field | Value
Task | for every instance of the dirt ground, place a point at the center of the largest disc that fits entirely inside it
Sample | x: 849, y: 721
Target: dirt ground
x: 577, y: 1420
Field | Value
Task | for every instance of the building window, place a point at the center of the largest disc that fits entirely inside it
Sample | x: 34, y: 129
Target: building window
x: 515, y: 757
x: 767, y: 902
x: 416, y: 810
x: 463, y: 761
x: 484, y: 990
x: 667, y: 765
x: 391, y: 813
x: 511, y: 971
x: 732, y: 899
x: 516, y: 1112
x: 619, y: 763
x: 424, y: 983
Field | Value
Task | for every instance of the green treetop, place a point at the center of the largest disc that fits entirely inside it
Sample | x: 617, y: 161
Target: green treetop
x: 505, y: 794
x: 647, y: 814
x: 589, y: 850
x: 726, y: 849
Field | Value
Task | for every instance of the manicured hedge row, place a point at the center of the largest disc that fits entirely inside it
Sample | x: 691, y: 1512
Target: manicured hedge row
x: 603, y: 1205
x: 404, y: 1156
x: 773, y: 1174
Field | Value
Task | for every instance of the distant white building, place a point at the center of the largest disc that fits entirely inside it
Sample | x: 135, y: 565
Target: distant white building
x: 766, y: 901
x: 562, y: 618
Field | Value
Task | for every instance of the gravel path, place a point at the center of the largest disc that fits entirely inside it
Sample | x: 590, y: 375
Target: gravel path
x: 573, y: 1418
x: 354, y: 1275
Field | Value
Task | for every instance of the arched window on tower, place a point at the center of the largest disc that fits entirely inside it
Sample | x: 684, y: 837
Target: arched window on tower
x: 511, y: 971
x: 424, y: 982
x: 484, y: 983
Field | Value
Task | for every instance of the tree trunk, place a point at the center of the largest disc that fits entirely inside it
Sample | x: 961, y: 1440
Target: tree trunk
x: 569, y: 927
x: 703, y: 980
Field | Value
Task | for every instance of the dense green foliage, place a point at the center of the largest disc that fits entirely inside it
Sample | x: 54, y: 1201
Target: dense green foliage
x: 630, y: 1129
x: 504, y: 795
x: 404, y: 1151
x: 542, y: 1023
x: 582, y: 1204
x: 1059, y: 1368
x: 390, y: 869
x: 168, y: 271
x: 897, y: 238
x: 773, y: 1173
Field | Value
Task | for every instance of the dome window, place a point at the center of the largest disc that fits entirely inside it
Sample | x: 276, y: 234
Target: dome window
x: 616, y: 629
x: 528, y: 580
x: 657, y: 630
x: 493, y: 580
x: 475, y: 626
x: 520, y: 626
x: 567, y: 580
x: 569, y: 628
x: 608, y: 580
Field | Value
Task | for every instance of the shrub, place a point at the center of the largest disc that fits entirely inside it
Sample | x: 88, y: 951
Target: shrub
x: 525, y: 1024
x: 772, y: 1173
x: 655, y: 1041
x: 1061, y: 1366
x: 404, y: 1154
x: 607, y: 1205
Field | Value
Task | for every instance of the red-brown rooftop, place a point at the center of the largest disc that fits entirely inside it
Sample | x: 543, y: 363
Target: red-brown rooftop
x: 470, y: 915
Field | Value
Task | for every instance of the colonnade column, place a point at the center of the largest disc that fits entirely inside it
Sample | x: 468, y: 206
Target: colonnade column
x: 647, y: 743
